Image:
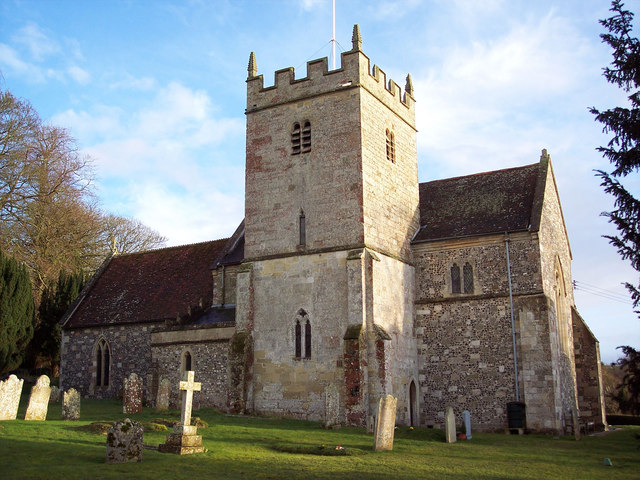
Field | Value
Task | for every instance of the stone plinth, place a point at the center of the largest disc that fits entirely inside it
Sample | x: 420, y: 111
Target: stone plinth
x: 10, y: 390
x: 183, y: 441
x: 124, y: 442
x: 39, y: 400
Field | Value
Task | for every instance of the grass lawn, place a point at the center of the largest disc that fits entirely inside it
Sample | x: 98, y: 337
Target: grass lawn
x: 257, y: 448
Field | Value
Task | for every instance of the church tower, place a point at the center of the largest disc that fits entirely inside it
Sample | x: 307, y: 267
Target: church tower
x: 325, y: 293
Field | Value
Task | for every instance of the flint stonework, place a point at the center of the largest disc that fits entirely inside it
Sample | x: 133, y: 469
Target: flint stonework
x: 71, y: 405
x: 124, y: 442
x: 39, y: 400
x: 385, y: 423
x: 10, y: 390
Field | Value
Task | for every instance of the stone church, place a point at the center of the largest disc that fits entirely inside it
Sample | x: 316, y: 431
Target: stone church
x: 348, y: 279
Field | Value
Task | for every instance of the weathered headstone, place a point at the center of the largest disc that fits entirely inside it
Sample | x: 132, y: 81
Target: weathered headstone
x: 184, y: 439
x: 385, y: 423
x: 164, y: 392
x: 71, y: 405
x: 132, y: 396
x: 55, y: 395
x: 124, y: 442
x: 450, y: 426
x: 466, y: 416
x: 10, y: 390
x: 331, y: 407
x: 39, y: 400
x: 371, y: 423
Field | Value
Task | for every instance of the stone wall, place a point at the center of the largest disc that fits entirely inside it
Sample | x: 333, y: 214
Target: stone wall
x: 129, y: 351
x: 588, y: 374
x: 209, y: 351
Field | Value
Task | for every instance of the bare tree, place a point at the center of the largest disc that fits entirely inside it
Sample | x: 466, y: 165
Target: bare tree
x: 126, y: 235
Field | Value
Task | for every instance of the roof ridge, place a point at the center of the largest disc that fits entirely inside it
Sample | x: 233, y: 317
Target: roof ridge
x: 482, y: 173
x: 173, y: 247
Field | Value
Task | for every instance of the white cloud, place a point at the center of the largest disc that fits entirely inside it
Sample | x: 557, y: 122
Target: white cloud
x: 36, y: 41
x: 79, y: 75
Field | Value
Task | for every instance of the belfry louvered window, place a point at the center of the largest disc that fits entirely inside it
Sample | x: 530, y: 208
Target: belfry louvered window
x: 295, y: 139
x: 306, y: 137
x: 455, y: 278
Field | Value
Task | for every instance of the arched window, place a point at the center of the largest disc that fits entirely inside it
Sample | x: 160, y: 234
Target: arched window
x: 295, y: 139
x: 467, y: 277
x: 186, y: 363
x: 302, y: 227
x: 391, y: 146
x: 455, y: 278
x: 103, y: 363
x: 306, y: 137
x: 302, y: 319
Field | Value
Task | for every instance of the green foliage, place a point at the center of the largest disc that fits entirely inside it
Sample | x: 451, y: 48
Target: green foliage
x: 16, y: 313
x: 53, y: 305
x: 627, y: 395
x: 623, y: 150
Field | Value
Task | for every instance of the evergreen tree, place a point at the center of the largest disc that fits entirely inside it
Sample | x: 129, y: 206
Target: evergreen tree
x: 627, y: 395
x: 16, y: 313
x: 623, y: 150
x: 53, y: 305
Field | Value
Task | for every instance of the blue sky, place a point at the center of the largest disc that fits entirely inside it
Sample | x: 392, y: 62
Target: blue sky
x: 154, y: 92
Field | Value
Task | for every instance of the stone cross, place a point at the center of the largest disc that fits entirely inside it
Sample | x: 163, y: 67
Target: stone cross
x: 466, y: 416
x: 188, y: 387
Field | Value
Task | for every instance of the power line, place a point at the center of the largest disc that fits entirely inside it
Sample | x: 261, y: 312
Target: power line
x: 601, y: 292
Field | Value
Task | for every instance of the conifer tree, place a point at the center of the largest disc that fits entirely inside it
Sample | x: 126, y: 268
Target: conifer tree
x: 16, y: 313
x: 623, y: 150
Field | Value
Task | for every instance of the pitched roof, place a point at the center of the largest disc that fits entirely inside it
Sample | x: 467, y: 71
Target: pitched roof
x: 485, y: 203
x: 148, y: 286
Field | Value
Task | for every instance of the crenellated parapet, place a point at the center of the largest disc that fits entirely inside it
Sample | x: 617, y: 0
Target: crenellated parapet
x: 355, y: 72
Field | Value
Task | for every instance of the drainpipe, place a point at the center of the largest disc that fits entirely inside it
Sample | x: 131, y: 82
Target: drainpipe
x: 513, y: 323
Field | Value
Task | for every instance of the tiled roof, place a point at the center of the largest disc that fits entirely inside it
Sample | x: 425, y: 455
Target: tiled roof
x: 481, y: 204
x: 148, y: 286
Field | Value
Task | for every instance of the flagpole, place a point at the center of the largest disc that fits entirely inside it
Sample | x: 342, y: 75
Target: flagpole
x: 333, y: 36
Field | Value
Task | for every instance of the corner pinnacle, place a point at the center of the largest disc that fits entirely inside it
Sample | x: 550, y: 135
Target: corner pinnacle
x: 545, y: 155
x: 409, y: 85
x: 356, y: 39
x: 252, y: 70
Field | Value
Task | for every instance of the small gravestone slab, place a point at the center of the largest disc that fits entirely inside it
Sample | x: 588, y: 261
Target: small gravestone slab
x: 164, y: 391
x: 10, y: 390
x: 39, y: 400
x: 450, y: 426
x: 331, y: 407
x: 466, y: 416
x: 55, y: 395
x: 385, y: 423
x: 71, y: 405
x: 184, y: 439
x: 132, y: 397
x: 124, y: 442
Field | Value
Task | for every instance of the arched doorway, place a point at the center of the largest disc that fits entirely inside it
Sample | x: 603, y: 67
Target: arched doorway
x: 413, y: 405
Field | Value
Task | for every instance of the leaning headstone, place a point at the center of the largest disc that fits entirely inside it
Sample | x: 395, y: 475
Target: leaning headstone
x: 39, y: 400
x: 132, y: 397
x: 385, y: 423
x: 466, y: 416
x: 164, y: 391
x: 184, y: 439
x: 450, y: 426
x: 55, y: 395
x: 10, y: 390
x: 124, y: 442
x: 71, y: 405
x: 331, y: 407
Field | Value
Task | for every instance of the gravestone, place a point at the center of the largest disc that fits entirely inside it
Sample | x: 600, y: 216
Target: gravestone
x: 10, y: 390
x: 450, y: 426
x: 385, y: 423
x: 39, y: 400
x: 331, y: 407
x: 132, y: 396
x: 71, y: 405
x: 164, y: 391
x: 55, y: 395
x: 124, y: 442
x: 184, y: 439
x: 466, y: 416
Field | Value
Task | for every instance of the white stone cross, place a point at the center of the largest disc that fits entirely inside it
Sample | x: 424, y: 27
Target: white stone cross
x: 188, y: 387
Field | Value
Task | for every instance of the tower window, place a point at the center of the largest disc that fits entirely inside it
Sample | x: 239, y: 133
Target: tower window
x: 455, y: 278
x: 102, y: 363
x: 302, y: 226
x: 467, y: 276
x: 298, y: 339
x: 302, y: 319
x: 295, y: 139
x: 306, y: 137
x: 307, y: 340
x: 391, y: 147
